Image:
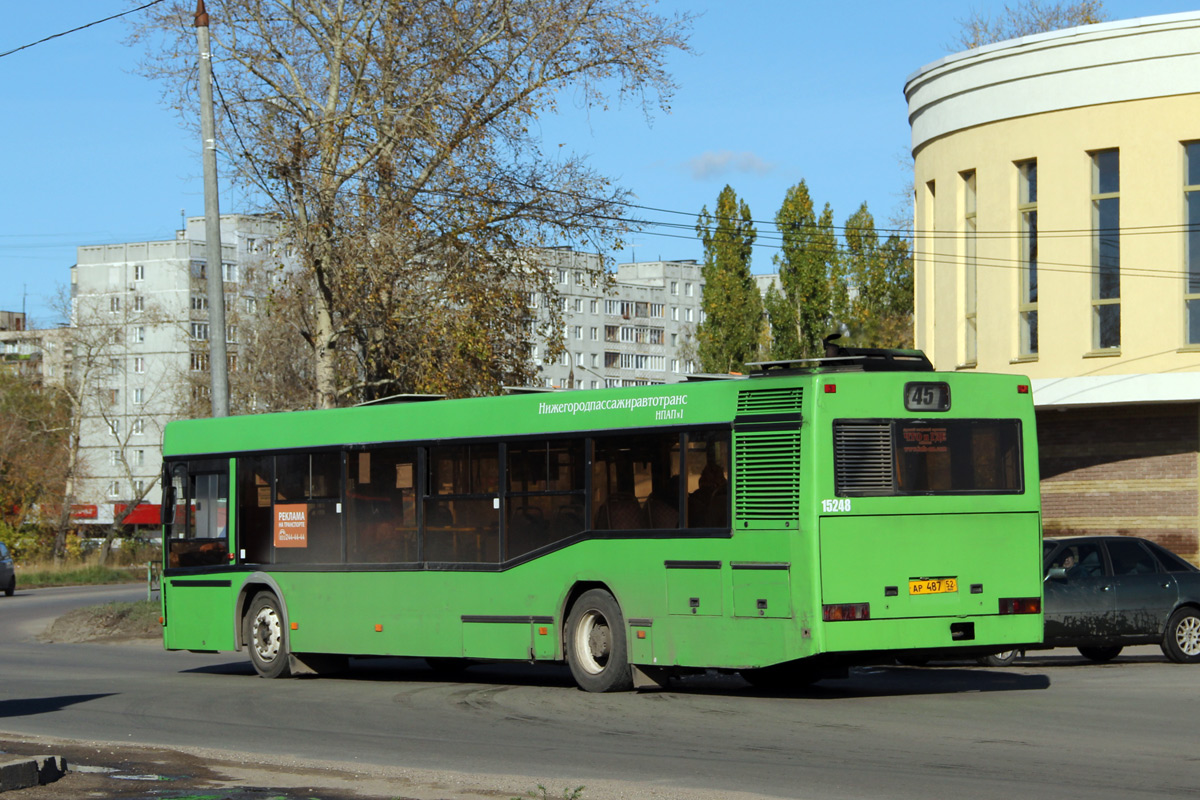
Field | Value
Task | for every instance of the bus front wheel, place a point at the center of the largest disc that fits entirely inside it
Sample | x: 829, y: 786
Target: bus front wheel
x: 597, y: 650
x: 265, y: 637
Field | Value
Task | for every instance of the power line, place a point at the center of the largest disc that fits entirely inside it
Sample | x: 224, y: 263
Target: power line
x: 81, y: 27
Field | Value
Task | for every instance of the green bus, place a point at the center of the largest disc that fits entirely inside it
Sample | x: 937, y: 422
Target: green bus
x: 785, y: 525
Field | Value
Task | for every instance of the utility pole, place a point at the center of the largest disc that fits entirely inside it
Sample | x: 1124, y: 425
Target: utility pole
x: 218, y: 363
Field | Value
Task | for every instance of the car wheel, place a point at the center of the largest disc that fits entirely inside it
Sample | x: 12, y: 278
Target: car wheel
x: 596, y: 646
x: 1181, y: 642
x: 1100, y: 654
x: 999, y: 659
x: 12, y: 586
x: 265, y: 637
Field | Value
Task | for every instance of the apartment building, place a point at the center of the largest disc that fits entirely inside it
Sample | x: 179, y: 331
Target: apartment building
x: 641, y: 331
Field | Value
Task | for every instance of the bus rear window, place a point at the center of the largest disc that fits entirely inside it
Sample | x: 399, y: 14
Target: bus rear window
x: 902, y: 457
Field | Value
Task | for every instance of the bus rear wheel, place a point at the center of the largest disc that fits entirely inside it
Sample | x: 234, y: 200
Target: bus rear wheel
x: 265, y: 638
x: 597, y: 649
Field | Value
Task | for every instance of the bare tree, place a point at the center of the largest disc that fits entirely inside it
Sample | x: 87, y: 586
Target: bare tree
x: 1025, y: 19
x: 398, y: 139
x: 110, y: 433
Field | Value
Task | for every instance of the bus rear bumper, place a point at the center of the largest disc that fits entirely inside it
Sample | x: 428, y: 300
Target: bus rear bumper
x: 976, y: 635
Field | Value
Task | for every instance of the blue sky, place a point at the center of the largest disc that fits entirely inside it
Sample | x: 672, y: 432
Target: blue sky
x: 775, y: 92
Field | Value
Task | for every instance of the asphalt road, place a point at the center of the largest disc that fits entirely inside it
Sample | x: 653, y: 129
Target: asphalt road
x: 1055, y: 724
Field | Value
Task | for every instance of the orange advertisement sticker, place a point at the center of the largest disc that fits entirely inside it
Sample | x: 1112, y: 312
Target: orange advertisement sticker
x: 291, y: 525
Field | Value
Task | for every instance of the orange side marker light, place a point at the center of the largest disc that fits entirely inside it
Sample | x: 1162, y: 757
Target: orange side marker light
x: 295, y: 626
x: 379, y: 629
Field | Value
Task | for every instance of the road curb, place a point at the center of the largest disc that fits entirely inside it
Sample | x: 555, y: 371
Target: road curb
x: 25, y: 772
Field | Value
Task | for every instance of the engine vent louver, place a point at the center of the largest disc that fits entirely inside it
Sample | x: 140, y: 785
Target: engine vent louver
x: 770, y: 401
x: 768, y: 469
x: 863, y: 458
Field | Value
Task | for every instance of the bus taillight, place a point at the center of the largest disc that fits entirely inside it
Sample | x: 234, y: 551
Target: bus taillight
x: 1020, y: 605
x: 841, y: 612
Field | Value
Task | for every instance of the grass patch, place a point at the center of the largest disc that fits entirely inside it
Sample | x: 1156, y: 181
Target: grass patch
x: 137, y: 620
x: 77, y: 575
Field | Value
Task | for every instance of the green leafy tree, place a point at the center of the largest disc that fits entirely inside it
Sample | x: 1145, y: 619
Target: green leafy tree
x: 782, y: 341
x: 879, y: 304
x: 806, y: 264
x: 733, y: 309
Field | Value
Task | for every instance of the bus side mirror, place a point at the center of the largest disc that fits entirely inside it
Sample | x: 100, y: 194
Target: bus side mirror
x: 1056, y: 574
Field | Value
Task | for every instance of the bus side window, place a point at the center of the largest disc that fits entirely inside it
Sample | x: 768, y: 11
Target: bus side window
x: 254, y: 508
x: 200, y: 535
x: 708, y: 457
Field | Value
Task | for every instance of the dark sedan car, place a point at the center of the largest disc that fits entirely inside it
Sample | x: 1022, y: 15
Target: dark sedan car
x: 1103, y: 593
x: 8, y: 577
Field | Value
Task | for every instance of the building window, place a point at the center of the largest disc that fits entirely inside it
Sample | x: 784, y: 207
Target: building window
x: 114, y: 366
x: 139, y: 426
x: 139, y: 334
x: 139, y: 487
x: 1027, y: 308
x: 970, y: 231
x: 251, y: 304
x: 562, y: 275
x: 687, y: 314
x: 594, y: 335
x: 139, y: 458
x: 200, y: 331
x: 114, y: 427
x: 199, y: 362
x: 1191, y: 199
x: 593, y: 306
x: 114, y: 458
x: 139, y: 303
x: 578, y: 331
x: 231, y: 334
x: 579, y: 304
x: 199, y: 302
x: 114, y: 489
x: 687, y: 289
x: 675, y: 313
x: 114, y: 304
x: 139, y: 365
x: 139, y: 272
x: 1106, y: 249
x: 230, y: 271
x: 139, y: 396
x: 675, y: 287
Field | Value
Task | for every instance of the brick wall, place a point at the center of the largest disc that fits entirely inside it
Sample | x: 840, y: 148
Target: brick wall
x: 1128, y: 470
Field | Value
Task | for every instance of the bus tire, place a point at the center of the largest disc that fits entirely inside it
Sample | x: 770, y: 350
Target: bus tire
x: 1002, y: 659
x: 596, y: 645
x: 1100, y: 655
x: 1181, y: 642
x: 265, y: 637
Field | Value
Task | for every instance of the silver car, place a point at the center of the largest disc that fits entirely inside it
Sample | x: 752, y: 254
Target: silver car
x: 8, y: 577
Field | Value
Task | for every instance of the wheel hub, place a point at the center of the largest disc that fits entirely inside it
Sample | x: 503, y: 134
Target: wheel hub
x: 1187, y: 636
x: 266, y: 634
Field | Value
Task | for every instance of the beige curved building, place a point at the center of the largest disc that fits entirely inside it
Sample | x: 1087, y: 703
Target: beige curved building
x: 1058, y: 235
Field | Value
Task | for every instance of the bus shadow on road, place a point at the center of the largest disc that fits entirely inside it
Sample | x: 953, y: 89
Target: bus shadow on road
x: 33, y: 706
x: 862, y: 682
x: 884, y: 681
